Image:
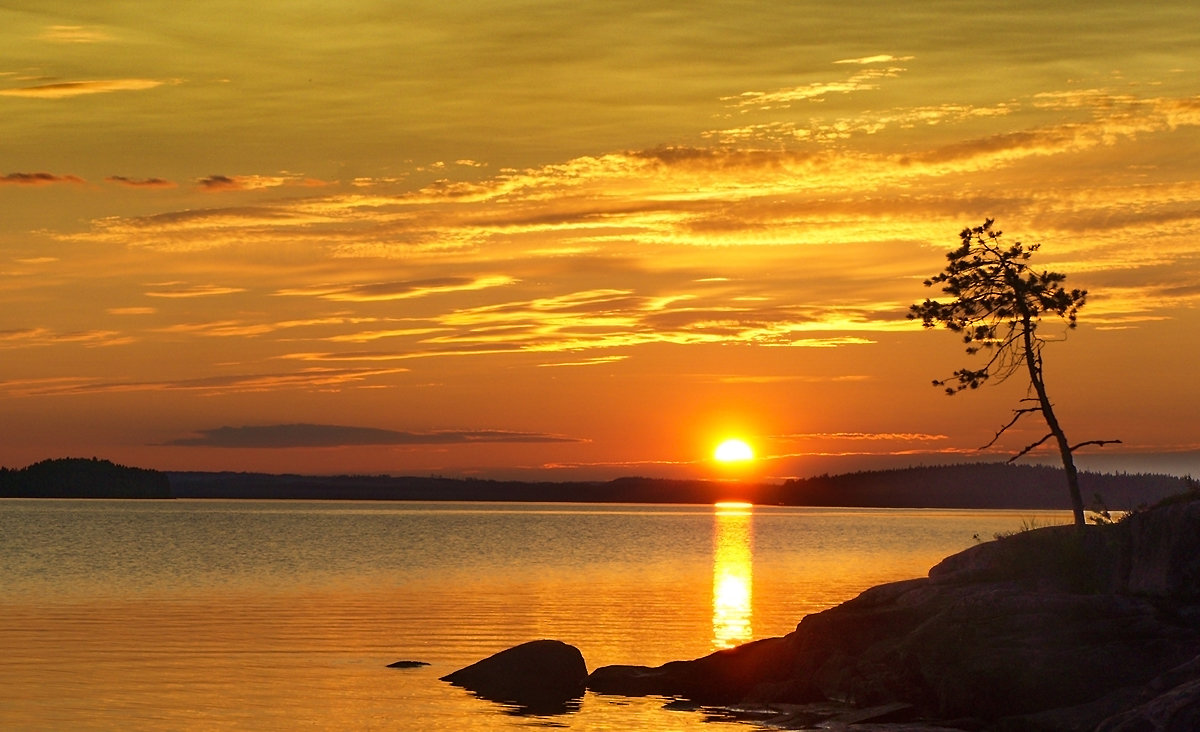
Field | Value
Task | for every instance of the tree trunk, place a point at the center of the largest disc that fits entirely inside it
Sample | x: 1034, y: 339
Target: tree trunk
x: 1034, y: 362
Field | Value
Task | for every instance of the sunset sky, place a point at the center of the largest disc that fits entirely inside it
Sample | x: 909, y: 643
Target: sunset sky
x: 566, y: 240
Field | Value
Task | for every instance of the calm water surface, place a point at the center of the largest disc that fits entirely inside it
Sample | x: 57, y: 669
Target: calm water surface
x: 245, y: 615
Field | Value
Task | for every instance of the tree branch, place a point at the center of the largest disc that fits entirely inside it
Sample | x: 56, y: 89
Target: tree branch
x: 1028, y: 448
x: 1100, y: 443
x: 1017, y: 414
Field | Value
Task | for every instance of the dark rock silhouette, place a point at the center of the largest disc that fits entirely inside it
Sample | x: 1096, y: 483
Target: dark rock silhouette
x: 407, y: 664
x: 538, y: 677
x: 1047, y: 629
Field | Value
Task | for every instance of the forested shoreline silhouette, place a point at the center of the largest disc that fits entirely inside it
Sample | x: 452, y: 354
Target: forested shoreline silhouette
x: 973, y: 485
x: 83, y: 478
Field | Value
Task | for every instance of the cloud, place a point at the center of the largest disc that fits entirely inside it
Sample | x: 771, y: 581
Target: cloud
x: 132, y: 311
x: 40, y: 337
x: 596, y: 361
x: 38, y: 179
x: 760, y: 238
x: 74, y: 34
x: 66, y: 89
x: 865, y: 80
x: 405, y: 290
x: 140, y: 182
x: 868, y: 436
x: 792, y: 378
x: 882, y: 58
x: 282, y: 436
x: 220, y: 183
x: 220, y: 329
x: 310, y: 379
x: 846, y: 127
x: 224, y: 183
x: 177, y: 291
x: 1113, y: 119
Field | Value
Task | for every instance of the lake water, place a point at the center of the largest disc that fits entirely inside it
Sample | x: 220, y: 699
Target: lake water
x: 282, y: 615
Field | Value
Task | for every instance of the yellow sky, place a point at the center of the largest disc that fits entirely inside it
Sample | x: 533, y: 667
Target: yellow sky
x: 569, y: 240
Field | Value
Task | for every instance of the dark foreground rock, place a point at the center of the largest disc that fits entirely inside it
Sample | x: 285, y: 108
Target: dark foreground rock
x: 541, y: 676
x: 1050, y: 629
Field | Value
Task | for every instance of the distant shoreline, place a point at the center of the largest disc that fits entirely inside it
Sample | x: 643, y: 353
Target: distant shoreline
x: 967, y: 486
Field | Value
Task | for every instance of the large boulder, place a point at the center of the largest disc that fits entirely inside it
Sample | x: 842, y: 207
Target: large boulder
x: 724, y: 677
x: 1164, y: 552
x: 541, y: 676
x: 1171, y: 702
x: 1052, y: 628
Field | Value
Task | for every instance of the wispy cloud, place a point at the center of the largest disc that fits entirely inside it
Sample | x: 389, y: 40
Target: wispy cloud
x: 865, y: 80
x: 596, y: 361
x: 74, y: 34
x: 133, y: 310
x: 773, y: 246
x: 791, y: 378
x: 868, y: 436
x: 140, y: 182
x: 224, y: 183
x: 42, y: 337
x: 38, y: 179
x: 65, y: 89
x: 179, y: 290
x: 308, y: 379
x: 883, y: 58
x: 282, y: 436
x: 405, y: 290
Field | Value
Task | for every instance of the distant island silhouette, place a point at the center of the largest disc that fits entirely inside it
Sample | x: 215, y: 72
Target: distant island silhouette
x: 83, y: 478
x: 973, y: 485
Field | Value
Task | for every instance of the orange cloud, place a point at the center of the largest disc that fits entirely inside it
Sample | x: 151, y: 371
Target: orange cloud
x: 882, y: 58
x: 865, y: 80
x: 38, y: 179
x: 223, y: 183
x: 384, y: 291
x: 74, y: 34
x: 66, y: 89
x: 132, y: 311
x: 193, y: 291
x: 282, y: 436
x: 870, y: 436
x: 40, y: 337
x: 140, y: 182
x: 305, y: 379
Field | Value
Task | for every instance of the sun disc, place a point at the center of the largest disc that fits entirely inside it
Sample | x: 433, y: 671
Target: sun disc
x: 733, y: 451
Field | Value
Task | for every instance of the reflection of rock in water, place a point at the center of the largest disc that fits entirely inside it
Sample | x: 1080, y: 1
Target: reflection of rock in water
x: 732, y: 575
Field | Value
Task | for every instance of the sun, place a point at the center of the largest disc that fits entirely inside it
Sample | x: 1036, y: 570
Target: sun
x: 733, y: 450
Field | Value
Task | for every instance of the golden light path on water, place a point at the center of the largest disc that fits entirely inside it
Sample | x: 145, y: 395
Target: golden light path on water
x: 733, y: 587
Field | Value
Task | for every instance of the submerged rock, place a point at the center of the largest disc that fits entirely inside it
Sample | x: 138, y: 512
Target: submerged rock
x: 1051, y: 629
x: 407, y: 664
x: 540, y: 676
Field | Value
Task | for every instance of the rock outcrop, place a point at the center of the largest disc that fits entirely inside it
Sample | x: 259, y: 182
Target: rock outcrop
x: 541, y: 676
x: 1051, y: 629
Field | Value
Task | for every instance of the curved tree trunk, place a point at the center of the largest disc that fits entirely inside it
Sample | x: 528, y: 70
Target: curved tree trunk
x: 1034, y: 362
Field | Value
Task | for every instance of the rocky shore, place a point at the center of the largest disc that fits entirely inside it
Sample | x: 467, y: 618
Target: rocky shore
x: 1048, y: 629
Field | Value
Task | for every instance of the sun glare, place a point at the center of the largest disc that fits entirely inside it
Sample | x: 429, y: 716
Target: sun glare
x: 733, y: 451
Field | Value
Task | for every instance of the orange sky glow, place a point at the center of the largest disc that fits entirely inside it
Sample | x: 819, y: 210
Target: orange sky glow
x: 572, y: 241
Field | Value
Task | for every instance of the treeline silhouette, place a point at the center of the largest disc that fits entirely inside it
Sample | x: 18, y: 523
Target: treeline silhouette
x: 975, y: 485
x: 980, y: 485
x: 83, y: 478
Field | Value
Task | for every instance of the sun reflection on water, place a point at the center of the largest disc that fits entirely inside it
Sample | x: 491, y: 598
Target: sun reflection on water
x: 732, y: 574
